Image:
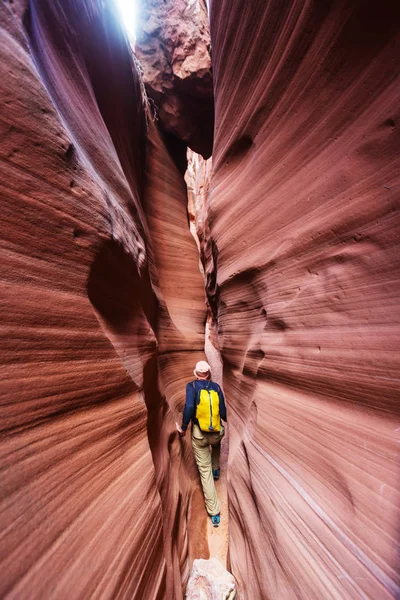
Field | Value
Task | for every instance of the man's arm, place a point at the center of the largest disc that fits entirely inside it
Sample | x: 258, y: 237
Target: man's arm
x: 188, y: 411
x: 222, y: 407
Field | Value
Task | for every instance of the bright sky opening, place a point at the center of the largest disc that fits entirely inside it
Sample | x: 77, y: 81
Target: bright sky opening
x: 128, y: 11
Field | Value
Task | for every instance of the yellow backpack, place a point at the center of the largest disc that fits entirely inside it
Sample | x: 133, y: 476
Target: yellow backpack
x: 207, y: 411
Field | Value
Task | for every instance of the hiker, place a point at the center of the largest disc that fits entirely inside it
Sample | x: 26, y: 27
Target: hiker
x: 205, y: 407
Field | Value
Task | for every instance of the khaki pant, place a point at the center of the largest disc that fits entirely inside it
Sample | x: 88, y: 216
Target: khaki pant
x: 206, y: 461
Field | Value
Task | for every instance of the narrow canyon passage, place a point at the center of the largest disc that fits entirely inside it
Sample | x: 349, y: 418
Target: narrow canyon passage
x: 228, y: 189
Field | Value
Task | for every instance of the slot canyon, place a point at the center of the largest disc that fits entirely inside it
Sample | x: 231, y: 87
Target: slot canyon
x: 225, y: 188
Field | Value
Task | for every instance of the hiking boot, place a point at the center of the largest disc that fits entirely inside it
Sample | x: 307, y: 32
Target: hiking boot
x: 216, y: 474
x: 215, y: 520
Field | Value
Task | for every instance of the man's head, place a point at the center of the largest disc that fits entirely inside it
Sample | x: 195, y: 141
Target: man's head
x: 202, y: 370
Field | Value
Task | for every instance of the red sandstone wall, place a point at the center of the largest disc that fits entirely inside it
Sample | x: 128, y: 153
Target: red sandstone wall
x: 97, y: 343
x: 304, y: 218
x: 302, y: 265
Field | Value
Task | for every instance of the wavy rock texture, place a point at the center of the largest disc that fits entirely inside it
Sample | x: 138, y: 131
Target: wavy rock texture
x: 304, y: 218
x: 173, y: 47
x: 102, y: 309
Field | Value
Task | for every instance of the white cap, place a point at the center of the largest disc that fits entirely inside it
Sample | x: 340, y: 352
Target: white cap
x: 202, y: 368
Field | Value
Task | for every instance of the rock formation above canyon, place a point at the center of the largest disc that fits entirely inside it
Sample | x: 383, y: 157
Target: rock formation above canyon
x: 173, y: 47
x: 103, y: 306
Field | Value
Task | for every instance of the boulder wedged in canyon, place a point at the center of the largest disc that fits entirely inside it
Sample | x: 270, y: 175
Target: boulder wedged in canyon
x: 173, y: 47
x: 95, y: 485
x: 304, y: 221
x: 210, y: 581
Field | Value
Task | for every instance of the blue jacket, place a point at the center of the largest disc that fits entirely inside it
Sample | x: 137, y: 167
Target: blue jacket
x: 192, y: 392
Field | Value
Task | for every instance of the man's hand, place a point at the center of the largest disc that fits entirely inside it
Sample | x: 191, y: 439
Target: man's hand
x: 180, y: 430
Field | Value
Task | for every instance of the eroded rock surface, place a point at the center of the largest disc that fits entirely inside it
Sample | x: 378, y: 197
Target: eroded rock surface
x: 103, y: 314
x: 103, y: 309
x: 304, y: 218
x: 173, y: 47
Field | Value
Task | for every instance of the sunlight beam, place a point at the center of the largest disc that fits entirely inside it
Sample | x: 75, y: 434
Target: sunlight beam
x: 128, y: 12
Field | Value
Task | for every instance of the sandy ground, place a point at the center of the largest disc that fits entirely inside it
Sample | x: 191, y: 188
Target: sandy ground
x: 218, y: 536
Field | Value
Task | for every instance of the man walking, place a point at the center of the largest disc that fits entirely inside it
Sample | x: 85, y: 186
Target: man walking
x: 205, y: 407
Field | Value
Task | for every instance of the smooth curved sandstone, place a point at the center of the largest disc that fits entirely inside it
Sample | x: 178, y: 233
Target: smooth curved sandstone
x: 96, y: 487
x: 304, y: 221
x: 103, y: 312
